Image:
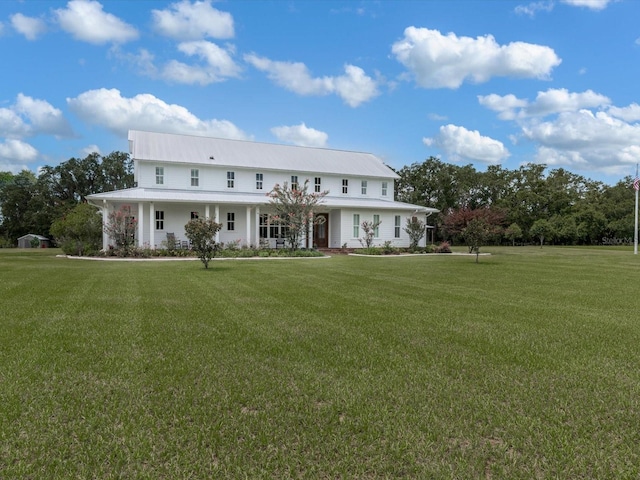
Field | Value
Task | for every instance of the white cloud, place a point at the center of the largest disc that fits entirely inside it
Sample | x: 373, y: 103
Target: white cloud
x: 108, y: 108
x: 628, y: 114
x: 15, y: 154
x: 436, y: 117
x: 12, y: 125
x: 506, y: 105
x: 446, y: 61
x: 354, y: 87
x: 44, y: 117
x: 549, y: 102
x: 30, y: 27
x: 301, y: 135
x: 193, y: 21
x: 89, y: 149
x: 461, y: 144
x: 85, y: 20
x: 30, y: 116
x: 219, y: 65
x: 533, y: 8
x: 590, y: 4
x: 586, y: 140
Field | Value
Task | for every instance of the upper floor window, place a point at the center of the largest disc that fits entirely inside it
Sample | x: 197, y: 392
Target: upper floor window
x: 363, y: 187
x: 396, y: 227
x: 385, y: 187
x: 294, y: 182
x: 231, y: 179
x: 317, y: 185
x: 345, y: 185
x: 159, y: 175
x: 231, y: 221
x: 195, y: 177
x: 259, y: 180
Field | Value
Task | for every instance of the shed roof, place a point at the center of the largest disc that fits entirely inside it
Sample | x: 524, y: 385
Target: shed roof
x: 168, y: 147
x: 33, y: 235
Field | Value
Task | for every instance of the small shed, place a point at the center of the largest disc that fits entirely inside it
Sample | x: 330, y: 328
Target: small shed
x: 28, y: 241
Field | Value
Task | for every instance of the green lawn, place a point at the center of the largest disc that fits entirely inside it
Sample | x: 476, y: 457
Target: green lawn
x: 524, y: 366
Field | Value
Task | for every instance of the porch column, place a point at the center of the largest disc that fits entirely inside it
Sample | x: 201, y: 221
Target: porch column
x: 217, y: 214
x: 207, y: 213
x: 152, y: 225
x: 257, y: 223
x: 105, y: 220
x: 140, y: 224
x: 310, y: 239
x: 248, y: 240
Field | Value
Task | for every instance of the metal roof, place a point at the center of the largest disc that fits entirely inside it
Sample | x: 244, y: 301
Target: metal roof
x: 140, y: 194
x: 168, y: 147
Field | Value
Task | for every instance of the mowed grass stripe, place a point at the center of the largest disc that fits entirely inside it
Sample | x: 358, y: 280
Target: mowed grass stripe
x: 523, y: 366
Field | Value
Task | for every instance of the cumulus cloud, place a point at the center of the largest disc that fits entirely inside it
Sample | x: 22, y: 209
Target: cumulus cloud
x: 16, y: 154
x: 44, y: 117
x: 354, y: 87
x: 590, y: 4
x: 446, y: 61
x: 89, y: 149
x: 549, y: 102
x: 109, y: 109
x: 216, y: 64
x: 628, y: 114
x: 301, y: 135
x: 193, y: 21
x: 219, y: 64
x: 86, y: 21
x: 30, y: 116
x: 30, y: 27
x: 461, y: 144
x: 583, y: 139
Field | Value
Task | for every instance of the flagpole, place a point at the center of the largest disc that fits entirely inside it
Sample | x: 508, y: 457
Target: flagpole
x: 636, y: 187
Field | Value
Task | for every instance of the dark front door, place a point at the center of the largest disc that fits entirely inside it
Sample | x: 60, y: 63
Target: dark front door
x: 321, y: 232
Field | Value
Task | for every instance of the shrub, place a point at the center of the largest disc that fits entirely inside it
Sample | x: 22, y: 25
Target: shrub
x: 79, y: 232
x: 444, y: 247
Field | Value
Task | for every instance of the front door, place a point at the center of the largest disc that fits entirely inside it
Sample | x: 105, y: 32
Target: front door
x: 321, y: 232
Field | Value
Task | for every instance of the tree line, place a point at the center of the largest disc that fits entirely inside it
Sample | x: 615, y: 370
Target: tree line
x: 31, y: 203
x: 527, y: 204
x: 523, y: 205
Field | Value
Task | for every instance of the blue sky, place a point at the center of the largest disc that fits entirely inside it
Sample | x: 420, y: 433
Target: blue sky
x: 471, y: 82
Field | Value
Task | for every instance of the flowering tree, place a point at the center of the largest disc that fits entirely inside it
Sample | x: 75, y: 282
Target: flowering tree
x: 293, y: 207
x: 201, y: 232
x: 121, y: 228
x: 369, y: 228
x: 416, y: 230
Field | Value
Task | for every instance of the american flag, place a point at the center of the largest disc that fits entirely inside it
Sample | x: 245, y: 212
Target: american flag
x: 636, y: 184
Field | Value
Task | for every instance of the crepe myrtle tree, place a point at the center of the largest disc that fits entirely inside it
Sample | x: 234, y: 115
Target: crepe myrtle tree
x: 201, y: 232
x: 370, y: 229
x: 121, y: 228
x: 293, y: 207
x: 416, y: 229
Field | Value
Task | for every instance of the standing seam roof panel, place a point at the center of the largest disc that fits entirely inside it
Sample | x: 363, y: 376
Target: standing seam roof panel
x: 166, y: 147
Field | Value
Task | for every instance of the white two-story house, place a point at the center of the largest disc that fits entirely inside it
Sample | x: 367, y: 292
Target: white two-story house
x: 180, y: 177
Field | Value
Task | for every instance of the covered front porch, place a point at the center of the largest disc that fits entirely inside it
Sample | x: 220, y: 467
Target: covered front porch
x: 162, y: 224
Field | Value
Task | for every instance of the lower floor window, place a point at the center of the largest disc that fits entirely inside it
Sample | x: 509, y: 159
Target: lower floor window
x: 231, y: 221
x: 396, y: 227
x: 194, y: 215
x: 159, y: 220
